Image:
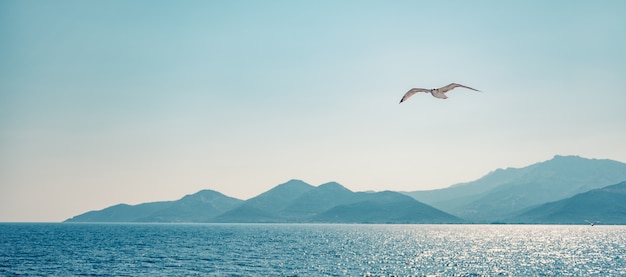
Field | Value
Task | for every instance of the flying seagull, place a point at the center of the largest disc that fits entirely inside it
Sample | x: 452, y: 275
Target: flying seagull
x: 436, y: 92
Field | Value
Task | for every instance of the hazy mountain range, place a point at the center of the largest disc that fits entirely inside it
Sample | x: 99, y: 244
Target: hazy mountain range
x: 565, y: 189
x: 293, y: 201
x: 506, y: 192
x: 605, y: 206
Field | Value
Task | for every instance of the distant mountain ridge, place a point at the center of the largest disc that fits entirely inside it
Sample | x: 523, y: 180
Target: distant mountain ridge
x: 384, y: 207
x: 201, y: 206
x: 331, y: 202
x: 293, y: 201
x: 564, y: 189
x: 506, y: 191
x: 197, y: 207
x: 606, y: 205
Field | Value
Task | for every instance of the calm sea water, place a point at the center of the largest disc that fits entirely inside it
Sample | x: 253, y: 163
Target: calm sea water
x: 311, y: 250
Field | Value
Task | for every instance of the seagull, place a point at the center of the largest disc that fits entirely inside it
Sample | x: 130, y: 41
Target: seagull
x: 592, y: 223
x: 436, y: 92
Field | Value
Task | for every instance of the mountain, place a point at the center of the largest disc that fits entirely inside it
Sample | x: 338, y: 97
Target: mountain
x: 333, y: 203
x: 504, y: 192
x: 296, y: 201
x: 504, y: 195
x: 606, y: 205
x: 199, y: 207
x: 317, y: 200
x: 384, y: 207
x: 121, y: 213
x: 293, y: 201
x: 202, y: 206
x: 264, y: 207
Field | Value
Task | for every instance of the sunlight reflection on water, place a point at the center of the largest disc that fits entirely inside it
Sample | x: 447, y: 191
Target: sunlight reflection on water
x: 306, y: 250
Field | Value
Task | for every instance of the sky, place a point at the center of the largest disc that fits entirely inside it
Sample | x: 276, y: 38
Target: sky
x: 107, y: 102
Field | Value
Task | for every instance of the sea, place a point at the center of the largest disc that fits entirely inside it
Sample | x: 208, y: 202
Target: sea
x: 72, y: 249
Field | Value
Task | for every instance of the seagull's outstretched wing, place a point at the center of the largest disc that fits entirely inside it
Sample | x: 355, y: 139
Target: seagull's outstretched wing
x: 453, y: 86
x: 411, y: 92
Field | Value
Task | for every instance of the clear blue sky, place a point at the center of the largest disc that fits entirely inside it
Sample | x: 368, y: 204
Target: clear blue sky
x: 106, y: 102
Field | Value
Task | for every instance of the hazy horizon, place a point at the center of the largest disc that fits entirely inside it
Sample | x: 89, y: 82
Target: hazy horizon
x: 106, y: 102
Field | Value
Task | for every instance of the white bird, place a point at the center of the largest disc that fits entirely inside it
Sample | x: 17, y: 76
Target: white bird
x: 436, y: 92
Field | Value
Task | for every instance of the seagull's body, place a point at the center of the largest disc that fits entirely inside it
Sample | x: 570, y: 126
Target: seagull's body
x: 436, y: 92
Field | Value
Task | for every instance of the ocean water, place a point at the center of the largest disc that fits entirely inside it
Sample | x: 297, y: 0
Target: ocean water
x: 64, y: 249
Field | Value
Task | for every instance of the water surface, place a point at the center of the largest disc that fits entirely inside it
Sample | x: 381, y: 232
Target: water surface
x: 311, y: 250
